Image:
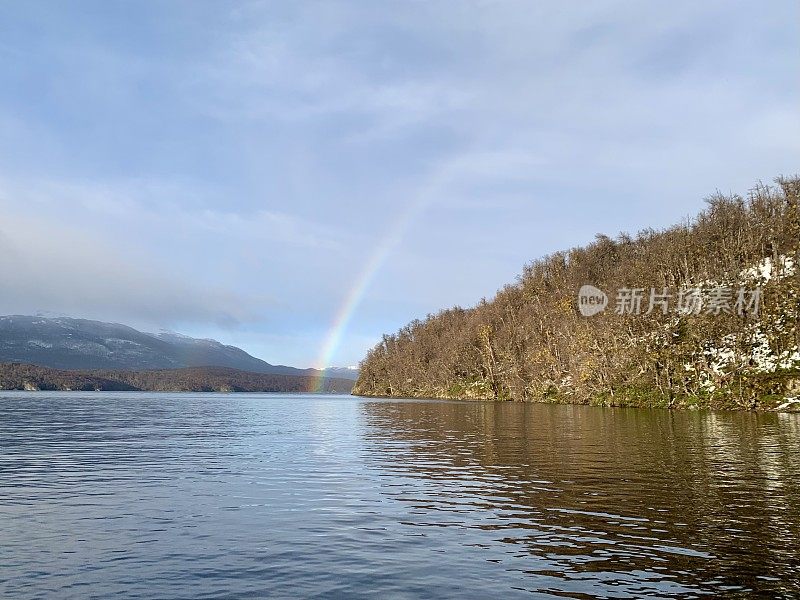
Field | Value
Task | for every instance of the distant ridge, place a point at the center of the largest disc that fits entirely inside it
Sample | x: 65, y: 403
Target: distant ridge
x: 82, y: 344
x: 16, y: 376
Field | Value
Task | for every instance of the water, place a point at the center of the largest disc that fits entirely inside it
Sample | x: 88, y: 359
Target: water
x: 235, y: 496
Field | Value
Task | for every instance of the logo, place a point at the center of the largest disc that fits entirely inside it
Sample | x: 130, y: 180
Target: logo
x: 591, y: 300
x: 709, y: 300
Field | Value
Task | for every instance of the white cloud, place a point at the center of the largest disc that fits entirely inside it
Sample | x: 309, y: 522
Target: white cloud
x: 55, y: 268
x: 268, y: 147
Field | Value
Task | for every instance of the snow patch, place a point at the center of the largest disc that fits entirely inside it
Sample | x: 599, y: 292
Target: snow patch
x: 766, y: 270
x: 790, y: 403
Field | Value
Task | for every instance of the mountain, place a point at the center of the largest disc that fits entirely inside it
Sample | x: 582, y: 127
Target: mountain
x: 350, y: 373
x: 81, y: 344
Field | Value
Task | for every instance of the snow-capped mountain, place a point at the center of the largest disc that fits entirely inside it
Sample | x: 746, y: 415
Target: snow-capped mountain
x: 66, y: 343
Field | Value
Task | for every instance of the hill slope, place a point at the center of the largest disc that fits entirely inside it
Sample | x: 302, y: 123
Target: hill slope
x: 532, y: 342
x: 65, y: 343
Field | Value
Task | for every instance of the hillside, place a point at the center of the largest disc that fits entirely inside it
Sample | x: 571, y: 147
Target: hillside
x: 700, y: 314
x: 15, y: 376
x: 80, y: 344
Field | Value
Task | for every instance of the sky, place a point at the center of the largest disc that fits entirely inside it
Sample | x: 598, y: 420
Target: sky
x: 298, y: 178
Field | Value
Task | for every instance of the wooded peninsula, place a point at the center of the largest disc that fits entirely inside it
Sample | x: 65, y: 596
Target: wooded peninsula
x: 702, y: 314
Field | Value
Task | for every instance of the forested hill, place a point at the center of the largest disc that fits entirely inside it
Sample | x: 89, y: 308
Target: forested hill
x: 700, y: 314
x: 16, y: 376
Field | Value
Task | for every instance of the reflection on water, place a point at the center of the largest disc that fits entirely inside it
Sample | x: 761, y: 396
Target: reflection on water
x: 603, y: 502
x: 183, y: 495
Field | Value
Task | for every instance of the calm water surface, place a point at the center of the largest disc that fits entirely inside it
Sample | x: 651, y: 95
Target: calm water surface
x: 234, y: 496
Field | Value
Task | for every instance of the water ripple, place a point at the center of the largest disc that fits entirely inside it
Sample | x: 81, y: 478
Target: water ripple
x: 237, y: 496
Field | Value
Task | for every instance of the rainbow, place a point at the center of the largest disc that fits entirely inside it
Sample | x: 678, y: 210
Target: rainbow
x: 359, y: 288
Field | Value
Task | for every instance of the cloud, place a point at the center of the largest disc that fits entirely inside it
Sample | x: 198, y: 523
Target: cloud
x: 56, y: 268
x: 270, y: 148
x: 157, y: 252
x: 166, y: 206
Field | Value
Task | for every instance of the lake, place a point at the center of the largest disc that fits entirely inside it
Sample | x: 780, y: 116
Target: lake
x: 287, y: 496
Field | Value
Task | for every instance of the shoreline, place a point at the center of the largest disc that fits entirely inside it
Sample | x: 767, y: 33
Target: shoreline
x: 790, y: 407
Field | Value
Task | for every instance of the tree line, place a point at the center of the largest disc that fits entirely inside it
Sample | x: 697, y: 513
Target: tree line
x: 18, y: 376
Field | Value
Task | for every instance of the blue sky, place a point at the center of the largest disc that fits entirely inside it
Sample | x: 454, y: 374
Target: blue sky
x: 234, y: 170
